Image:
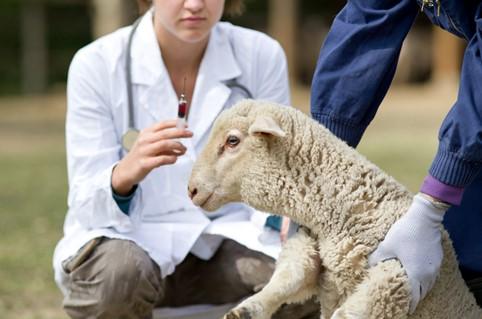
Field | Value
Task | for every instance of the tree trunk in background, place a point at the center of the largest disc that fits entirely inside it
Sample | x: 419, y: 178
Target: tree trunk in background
x: 34, y: 48
x: 282, y: 22
x: 109, y: 15
x: 446, y: 57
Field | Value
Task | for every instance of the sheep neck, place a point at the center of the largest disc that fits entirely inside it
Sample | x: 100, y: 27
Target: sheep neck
x: 325, y: 185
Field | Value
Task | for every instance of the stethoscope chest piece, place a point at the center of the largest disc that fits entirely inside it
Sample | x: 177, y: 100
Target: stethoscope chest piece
x: 129, y: 138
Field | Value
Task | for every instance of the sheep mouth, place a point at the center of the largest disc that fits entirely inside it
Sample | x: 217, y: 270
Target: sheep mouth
x: 201, y: 201
x: 206, y: 200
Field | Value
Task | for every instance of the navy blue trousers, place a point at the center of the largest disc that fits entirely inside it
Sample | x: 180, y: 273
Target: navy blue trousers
x: 464, y: 224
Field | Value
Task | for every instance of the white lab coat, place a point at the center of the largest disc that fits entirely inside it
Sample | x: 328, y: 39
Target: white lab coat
x: 162, y: 220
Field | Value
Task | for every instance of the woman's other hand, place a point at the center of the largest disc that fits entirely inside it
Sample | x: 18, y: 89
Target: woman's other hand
x: 155, y: 146
x: 285, y: 228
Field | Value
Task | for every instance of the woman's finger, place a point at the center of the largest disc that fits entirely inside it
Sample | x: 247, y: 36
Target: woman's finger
x: 173, y: 133
x: 174, y: 152
x: 162, y: 160
x: 161, y: 126
x: 165, y: 146
x: 285, y: 227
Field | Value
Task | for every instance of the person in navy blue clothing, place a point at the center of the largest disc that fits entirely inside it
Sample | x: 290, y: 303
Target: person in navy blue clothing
x: 354, y: 71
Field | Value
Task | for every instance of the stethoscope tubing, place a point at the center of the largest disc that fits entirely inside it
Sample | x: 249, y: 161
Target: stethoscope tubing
x: 128, y: 71
x: 132, y: 131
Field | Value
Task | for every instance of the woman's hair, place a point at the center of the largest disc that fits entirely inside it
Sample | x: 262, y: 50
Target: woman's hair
x: 143, y: 6
x: 232, y: 8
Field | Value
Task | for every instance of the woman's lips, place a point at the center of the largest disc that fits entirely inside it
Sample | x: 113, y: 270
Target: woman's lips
x: 193, y: 21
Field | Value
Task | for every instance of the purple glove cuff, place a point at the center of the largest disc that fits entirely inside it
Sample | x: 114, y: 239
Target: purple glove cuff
x: 441, y: 191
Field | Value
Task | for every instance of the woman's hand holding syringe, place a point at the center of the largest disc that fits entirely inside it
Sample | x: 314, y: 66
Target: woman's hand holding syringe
x: 155, y: 146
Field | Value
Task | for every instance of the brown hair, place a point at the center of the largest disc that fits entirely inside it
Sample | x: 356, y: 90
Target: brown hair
x: 143, y: 6
x: 232, y: 8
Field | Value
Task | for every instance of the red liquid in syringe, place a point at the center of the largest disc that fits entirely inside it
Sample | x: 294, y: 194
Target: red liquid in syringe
x: 181, y: 112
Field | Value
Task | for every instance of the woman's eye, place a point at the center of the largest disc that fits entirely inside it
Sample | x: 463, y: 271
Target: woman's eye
x: 232, y: 141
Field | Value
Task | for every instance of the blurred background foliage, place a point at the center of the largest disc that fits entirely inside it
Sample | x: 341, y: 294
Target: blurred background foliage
x: 67, y: 28
x: 39, y: 37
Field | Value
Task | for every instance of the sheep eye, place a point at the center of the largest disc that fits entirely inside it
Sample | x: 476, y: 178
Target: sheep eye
x: 232, y: 141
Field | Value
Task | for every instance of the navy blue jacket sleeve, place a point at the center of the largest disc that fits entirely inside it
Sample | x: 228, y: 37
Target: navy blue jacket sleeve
x: 459, y: 154
x: 357, y: 63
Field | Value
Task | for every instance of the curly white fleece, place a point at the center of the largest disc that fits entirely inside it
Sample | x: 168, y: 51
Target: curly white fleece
x: 346, y: 205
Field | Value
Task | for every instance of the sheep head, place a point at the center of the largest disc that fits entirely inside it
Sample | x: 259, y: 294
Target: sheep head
x: 235, y: 155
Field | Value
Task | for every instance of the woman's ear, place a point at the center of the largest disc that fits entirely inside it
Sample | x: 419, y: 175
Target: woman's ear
x: 266, y: 125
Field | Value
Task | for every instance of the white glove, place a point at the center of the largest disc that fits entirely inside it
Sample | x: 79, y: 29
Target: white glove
x: 416, y: 241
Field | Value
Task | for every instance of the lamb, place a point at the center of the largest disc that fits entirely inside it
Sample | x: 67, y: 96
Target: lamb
x: 278, y: 160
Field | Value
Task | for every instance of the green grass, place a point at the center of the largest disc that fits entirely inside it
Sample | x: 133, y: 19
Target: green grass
x: 32, y: 207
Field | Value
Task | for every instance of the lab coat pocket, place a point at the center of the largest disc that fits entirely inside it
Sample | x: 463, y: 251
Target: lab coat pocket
x: 71, y: 264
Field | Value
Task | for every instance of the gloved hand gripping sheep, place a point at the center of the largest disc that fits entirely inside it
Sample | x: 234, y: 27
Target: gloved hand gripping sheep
x: 277, y: 159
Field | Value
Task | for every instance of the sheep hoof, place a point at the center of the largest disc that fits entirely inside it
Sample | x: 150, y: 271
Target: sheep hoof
x: 240, y: 313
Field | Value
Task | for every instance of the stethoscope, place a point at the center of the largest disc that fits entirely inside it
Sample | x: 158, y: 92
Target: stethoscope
x: 130, y: 136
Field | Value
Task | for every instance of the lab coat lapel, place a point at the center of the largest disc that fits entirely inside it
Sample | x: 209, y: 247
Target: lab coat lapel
x: 211, y: 94
x: 155, y: 92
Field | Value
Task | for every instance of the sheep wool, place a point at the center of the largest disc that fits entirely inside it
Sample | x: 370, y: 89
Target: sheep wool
x: 288, y: 164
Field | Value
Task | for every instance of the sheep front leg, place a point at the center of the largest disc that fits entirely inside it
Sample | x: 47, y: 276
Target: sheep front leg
x: 295, y: 279
x: 384, y: 293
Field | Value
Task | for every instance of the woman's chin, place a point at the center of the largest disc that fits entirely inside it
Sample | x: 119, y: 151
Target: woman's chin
x: 193, y: 36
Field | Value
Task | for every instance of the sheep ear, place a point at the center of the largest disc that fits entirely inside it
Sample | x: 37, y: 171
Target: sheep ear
x: 266, y: 125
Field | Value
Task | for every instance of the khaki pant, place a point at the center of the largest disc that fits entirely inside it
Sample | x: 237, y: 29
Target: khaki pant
x: 118, y: 280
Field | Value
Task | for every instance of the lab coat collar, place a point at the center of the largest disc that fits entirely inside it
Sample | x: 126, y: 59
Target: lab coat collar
x: 148, y: 66
x: 218, y: 65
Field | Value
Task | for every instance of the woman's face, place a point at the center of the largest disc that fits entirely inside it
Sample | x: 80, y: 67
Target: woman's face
x: 188, y: 20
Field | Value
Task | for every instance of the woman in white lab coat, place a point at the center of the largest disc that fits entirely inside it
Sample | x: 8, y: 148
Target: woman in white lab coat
x: 132, y: 238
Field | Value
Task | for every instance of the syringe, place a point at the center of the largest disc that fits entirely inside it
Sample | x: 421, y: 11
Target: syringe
x: 182, y: 109
x: 181, y: 112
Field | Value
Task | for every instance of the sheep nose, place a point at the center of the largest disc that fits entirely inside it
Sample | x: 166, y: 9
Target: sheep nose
x: 192, y: 192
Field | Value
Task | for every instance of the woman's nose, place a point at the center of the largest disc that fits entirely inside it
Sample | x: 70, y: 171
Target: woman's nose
x: 194, y: 5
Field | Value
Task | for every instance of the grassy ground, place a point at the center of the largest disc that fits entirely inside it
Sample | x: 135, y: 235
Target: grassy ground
x: 32, y: 205
x: 402, y: 140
